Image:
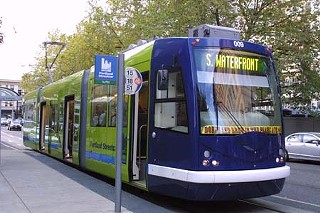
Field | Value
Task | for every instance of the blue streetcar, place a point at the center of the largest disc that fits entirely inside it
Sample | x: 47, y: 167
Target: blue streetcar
x: 206, y: 124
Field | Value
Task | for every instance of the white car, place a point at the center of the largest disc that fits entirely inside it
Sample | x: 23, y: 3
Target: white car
x: 303, y: 146
x: 15, y: 125
x: 4, y: 122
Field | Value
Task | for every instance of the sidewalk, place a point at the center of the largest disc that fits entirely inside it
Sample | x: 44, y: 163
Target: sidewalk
x: 32, y: 182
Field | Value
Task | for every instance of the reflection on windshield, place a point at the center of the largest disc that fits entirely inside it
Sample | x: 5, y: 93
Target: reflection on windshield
x: 233, y: 100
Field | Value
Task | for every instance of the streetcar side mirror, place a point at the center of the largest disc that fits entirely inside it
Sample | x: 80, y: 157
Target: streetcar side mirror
x: 163, y: 79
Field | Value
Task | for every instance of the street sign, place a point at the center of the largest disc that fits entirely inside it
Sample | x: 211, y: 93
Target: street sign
x: 133, y: 81
x: 105, y: 71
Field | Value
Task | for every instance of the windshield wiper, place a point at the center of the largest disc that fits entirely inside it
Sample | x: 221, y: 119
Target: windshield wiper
x: 221, y: 105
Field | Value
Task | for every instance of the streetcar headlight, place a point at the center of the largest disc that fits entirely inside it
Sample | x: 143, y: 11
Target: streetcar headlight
x: 205, y: 162
x: 215, y: 163
x: 206, y: 153
x: 281, y: 159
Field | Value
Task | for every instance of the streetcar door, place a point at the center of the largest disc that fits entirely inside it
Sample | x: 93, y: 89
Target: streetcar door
x: 140, y: 127
x: 68, y: 127
x: 170, y: 143
x: 43, y: 133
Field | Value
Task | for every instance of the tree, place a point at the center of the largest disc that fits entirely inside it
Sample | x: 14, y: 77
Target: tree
x: 164, y: 19
x: 290, y: 28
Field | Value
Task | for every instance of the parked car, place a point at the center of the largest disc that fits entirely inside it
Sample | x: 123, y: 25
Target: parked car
x: 303, y: 146
x: 9, y: 120
x: 15, y: 125
x: 4, y: 122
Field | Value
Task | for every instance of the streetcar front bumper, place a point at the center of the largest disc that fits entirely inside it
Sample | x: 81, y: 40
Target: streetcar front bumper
x: 216, y: 185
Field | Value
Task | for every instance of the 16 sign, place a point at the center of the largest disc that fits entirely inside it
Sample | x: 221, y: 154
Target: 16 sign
x: 133, y: 81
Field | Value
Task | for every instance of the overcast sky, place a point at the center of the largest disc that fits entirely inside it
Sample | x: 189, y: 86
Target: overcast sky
x: 26, y: 23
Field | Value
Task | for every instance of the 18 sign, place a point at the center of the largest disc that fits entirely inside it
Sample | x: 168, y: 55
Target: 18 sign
x: 133, y: 81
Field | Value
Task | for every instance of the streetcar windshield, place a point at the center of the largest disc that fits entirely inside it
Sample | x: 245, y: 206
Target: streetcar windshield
x: 237, y: 92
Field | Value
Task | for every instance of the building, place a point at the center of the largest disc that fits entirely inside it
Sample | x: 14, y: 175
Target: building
x: 11, y: 109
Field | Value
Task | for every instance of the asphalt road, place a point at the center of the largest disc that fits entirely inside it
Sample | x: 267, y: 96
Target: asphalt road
x: 302, y: 187
x: 301, y: 192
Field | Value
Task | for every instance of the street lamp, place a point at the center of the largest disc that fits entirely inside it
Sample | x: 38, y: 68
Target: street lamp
x: 54, y: 60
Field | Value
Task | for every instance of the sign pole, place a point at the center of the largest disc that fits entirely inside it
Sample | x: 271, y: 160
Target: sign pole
x: 106, y: 70
x: 119, y: 131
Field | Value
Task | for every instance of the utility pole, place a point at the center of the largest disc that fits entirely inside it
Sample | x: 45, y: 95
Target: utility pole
x: 46, y: 43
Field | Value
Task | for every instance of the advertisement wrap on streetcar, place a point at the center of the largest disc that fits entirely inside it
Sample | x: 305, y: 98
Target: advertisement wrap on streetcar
x: 206, y: 123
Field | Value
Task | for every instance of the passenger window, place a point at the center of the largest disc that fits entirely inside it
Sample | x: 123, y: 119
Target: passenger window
x: 170, y: 104
x: 112, y: 106
x: 61, y: 118
x: 104, y: 106
x: 98, y: 106
x: 30, y: 111
x: 55, y: 117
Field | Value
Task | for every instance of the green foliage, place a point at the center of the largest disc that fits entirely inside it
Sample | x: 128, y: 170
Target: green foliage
x: 289, y: 27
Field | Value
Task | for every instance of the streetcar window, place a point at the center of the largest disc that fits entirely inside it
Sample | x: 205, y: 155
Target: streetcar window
x: 237, y: 92
x: 49, y: 116
x: 29, y: 112
x: 98, y: 106
x: 55, y: 117
x: 162, y: 79
x: 61, y: 118
x: 112, y: 106
x: 170, y: 104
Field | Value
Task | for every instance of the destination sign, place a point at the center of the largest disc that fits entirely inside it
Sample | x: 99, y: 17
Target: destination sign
x: 210, y: 129
x: 232, y: 62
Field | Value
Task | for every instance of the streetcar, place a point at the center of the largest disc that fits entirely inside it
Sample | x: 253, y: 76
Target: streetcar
x: 205, y: 125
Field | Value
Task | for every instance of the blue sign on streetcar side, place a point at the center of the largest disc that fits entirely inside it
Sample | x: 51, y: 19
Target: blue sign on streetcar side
x: 105, y: 69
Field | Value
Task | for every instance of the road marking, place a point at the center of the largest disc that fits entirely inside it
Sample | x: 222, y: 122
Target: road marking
x: 11, y: 147
x: 297, y: 201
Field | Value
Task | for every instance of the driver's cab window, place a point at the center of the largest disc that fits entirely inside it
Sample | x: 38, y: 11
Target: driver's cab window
x: 170, y: 103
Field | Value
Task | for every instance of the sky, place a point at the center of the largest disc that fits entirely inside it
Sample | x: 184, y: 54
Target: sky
x: 26, y: 24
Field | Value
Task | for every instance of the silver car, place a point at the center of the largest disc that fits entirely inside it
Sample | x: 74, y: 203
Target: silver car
x: 303, y: 145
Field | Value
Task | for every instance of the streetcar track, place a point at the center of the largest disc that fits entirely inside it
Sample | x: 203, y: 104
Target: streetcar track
x: 261, y: 205
x: 9, y: 146
x: 274, y: 206
x: 296, y: 201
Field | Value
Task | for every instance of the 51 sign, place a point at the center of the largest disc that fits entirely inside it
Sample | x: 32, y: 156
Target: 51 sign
x: 133, y: 81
